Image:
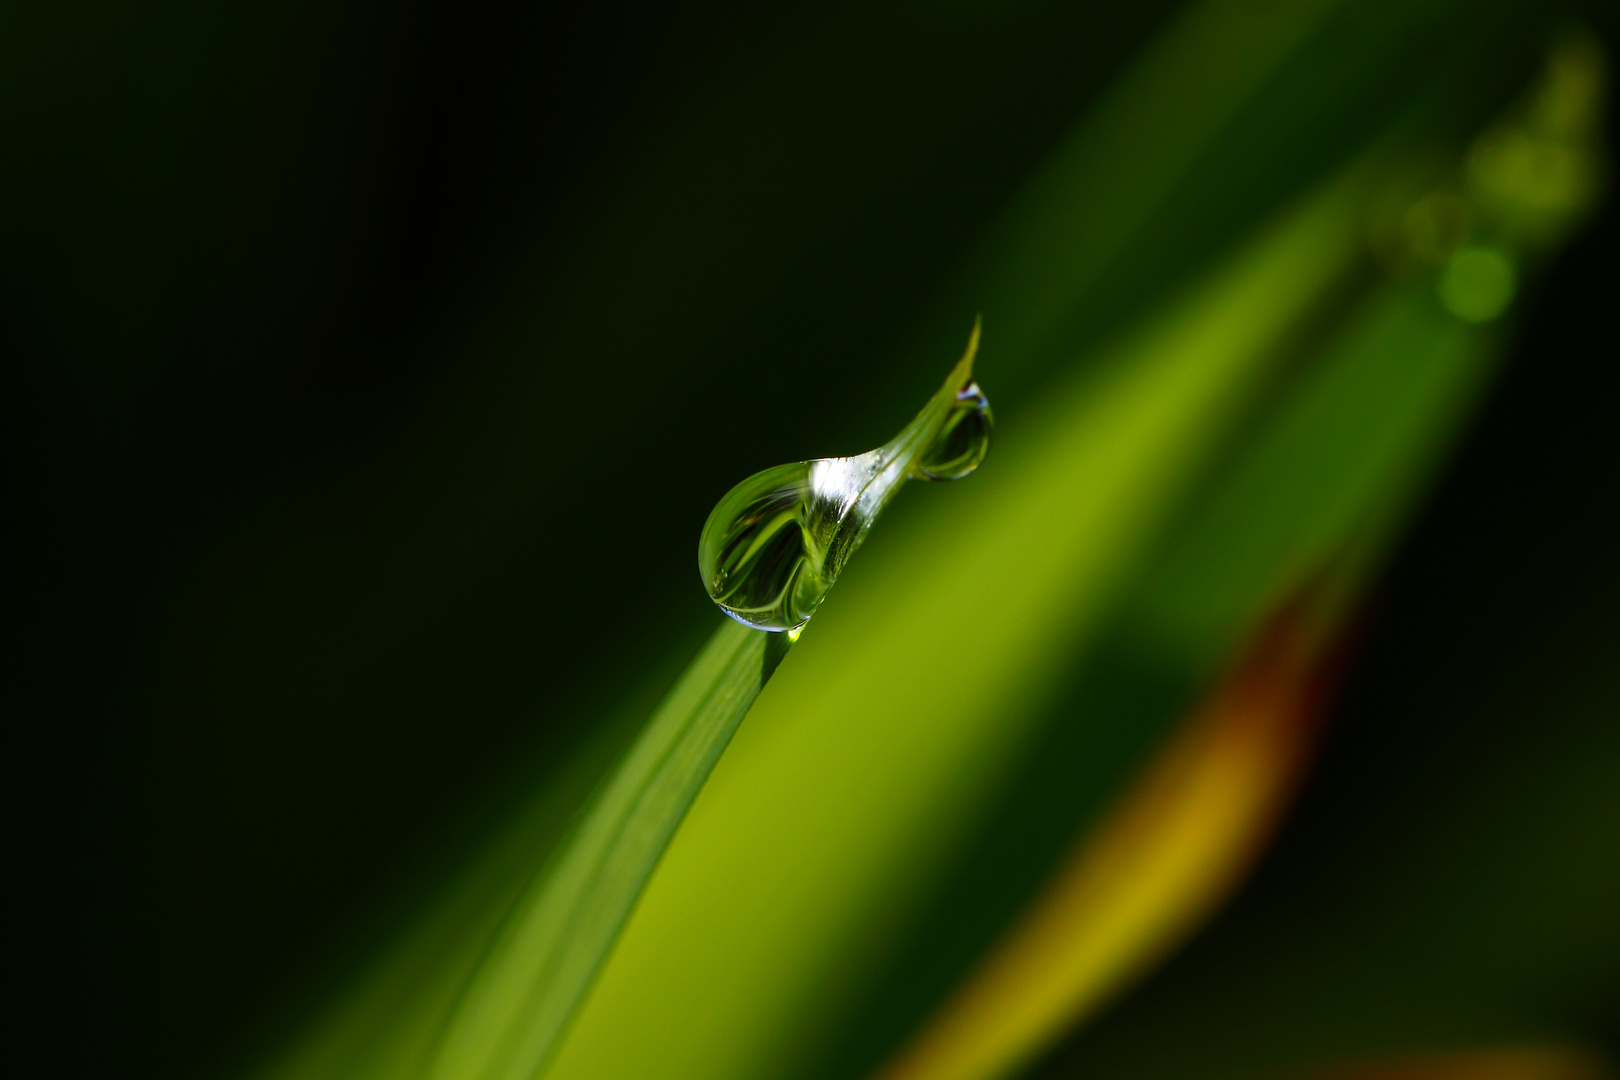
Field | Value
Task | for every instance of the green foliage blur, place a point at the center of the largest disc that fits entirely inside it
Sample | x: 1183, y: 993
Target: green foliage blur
x: 371, y: 371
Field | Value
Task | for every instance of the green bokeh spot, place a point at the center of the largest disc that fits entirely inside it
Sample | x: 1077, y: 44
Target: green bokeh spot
x: 1478, y: 284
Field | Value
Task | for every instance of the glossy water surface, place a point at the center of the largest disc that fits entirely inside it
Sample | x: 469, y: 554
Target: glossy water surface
x: 776, y: 542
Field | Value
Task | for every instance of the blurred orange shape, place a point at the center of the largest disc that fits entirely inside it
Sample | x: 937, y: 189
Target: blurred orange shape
x: 1176, y: 843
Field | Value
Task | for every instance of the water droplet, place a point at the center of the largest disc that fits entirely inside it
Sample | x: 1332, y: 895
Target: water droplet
x: 776, y: 542
x: 964, y: 439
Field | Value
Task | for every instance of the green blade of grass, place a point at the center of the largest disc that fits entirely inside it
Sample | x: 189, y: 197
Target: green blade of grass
x: 540, y: 965
x: 538, y: 968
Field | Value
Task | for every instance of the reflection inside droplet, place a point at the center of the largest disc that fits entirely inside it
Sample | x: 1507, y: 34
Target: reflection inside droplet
x: 775, y: 543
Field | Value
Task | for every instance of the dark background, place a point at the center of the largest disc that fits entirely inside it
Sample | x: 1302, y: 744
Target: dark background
x: 368, y: 381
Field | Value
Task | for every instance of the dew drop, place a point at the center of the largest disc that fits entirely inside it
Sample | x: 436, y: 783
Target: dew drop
x: 964, y: 439
x: 775, y: 543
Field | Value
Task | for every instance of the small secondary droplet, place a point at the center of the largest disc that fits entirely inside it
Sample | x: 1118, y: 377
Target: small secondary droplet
x: 964, y: 439
x: 776, y: 542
